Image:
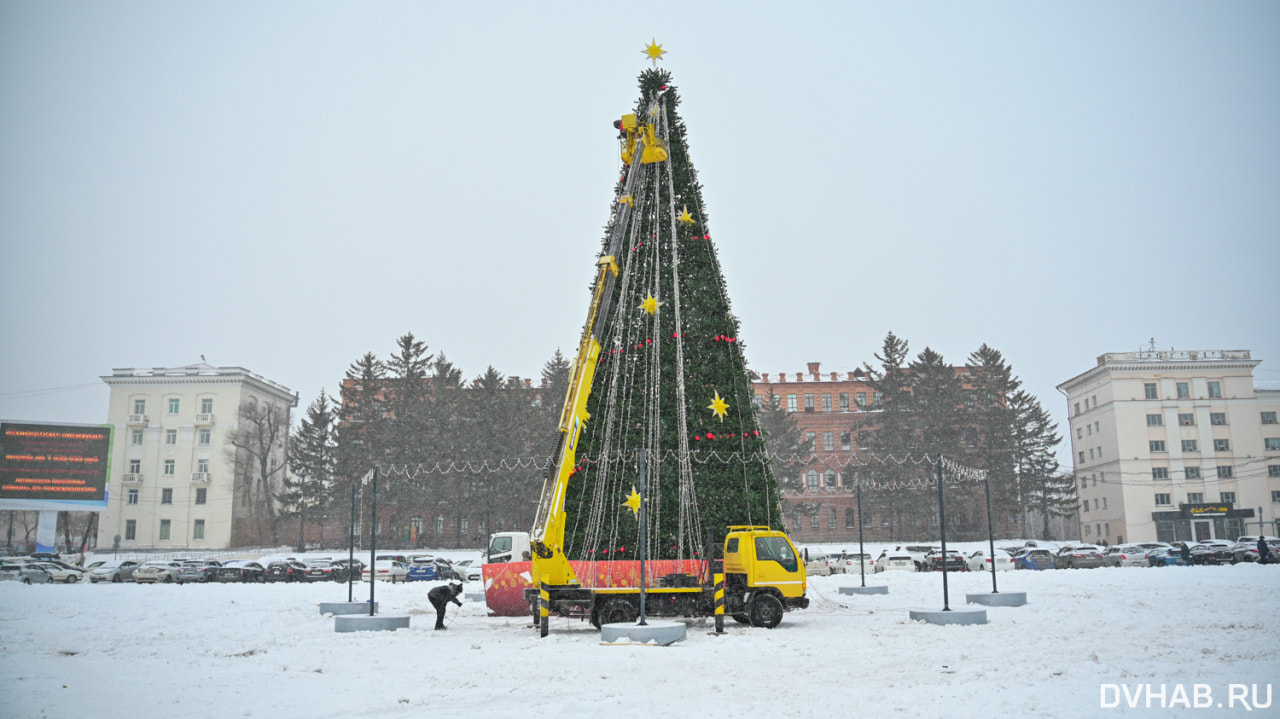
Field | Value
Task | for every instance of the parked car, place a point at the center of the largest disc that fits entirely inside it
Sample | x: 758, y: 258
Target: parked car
x: 817, y: 565
x: 1085, y: 556
x: 1212, y: 552
x: 848, y: 563
x: 342, y: 570
x: 920, y: 555
x: 60, y: 572
x: 895, y: 561
x: 290, y: 570
x: 157, y: 572
x: 386, y: 570
x: 955, y: 561
x: 319, y: 570
x: 468, y: 570
x: 113, y: 570
x: 1248, y: 551
x: 1033, y: 558
x: 980, y: 562
x: 1125, y: 555
x: 1170, y: 557
x: 199, y: 570
x: 28, y: 573
x: 240, y: 570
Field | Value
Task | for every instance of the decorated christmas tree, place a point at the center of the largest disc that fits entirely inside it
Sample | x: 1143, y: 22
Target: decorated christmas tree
x: 671, y: 389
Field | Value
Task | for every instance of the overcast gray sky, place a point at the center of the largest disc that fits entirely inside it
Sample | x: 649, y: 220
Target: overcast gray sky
x: 285, y: 186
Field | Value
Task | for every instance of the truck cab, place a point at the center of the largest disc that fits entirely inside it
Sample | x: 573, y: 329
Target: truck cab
x: 508, y: 547
x: 764, y: 575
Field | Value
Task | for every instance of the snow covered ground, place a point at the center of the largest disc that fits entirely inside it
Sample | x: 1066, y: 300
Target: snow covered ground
x: 88, y: 651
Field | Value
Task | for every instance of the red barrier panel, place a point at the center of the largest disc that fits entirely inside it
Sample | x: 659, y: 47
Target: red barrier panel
x: 504, y: 584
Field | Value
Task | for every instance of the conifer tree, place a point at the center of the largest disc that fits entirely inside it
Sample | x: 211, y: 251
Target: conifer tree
x: 313, y: 464
x: 672, y: 384
x: 890, y: 438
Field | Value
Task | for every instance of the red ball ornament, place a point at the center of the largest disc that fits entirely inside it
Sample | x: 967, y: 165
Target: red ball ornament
x: 706, y: 237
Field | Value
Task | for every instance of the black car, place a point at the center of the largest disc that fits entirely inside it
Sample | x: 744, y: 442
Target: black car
x: 1207, y: 554
x: 955, y: 561
x: 203, y: 571
x: 343, y: 569
x: 286, y: 571
x: 241, y: 571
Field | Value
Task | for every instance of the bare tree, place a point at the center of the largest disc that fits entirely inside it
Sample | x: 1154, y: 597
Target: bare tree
x: 257, y: 450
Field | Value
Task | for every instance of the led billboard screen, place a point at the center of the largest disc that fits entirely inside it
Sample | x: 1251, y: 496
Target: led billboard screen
x: 54, y: 466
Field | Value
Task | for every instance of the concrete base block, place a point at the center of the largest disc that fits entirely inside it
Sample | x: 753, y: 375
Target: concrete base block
x: 874, y: 589
x: 366, y: 623
x: 347, y: 607
x: 955, y: 616
x: 1002, y: 599
x: 659, y: 633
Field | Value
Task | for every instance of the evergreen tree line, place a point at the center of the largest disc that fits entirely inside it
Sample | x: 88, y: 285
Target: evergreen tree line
x: 415, y: 417
x: 978, y: 415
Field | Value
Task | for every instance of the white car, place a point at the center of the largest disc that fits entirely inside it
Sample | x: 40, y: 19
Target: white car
x: 818, y: 564
x: 980, y: 562
x: 468, y: 570
x: 895, y: 561
x: 113, y: 570
x: 1125, y: 555
x: 157, y: 572
x: 387, y: 571
x: 61, y: 573
x: 847, y: 563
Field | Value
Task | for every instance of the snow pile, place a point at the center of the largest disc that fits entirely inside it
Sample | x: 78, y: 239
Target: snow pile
x: 264, y: 651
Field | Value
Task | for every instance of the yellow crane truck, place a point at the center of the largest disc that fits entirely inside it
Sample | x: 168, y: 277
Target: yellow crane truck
x: 763, y: 574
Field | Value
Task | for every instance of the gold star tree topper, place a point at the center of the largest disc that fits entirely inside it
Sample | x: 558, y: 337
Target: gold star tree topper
x: 685, y: 217
x: 654, y: 51
x: 633, y: 501
x: 650, y: 304
x: 719, y: 407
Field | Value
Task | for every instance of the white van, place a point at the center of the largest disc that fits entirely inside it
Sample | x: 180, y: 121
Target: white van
x: 508, y: 547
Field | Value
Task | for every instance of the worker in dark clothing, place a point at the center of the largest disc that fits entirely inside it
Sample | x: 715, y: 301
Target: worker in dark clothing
x: 1185, y: 553
x: 1264, y: 551
x: 440, y: 598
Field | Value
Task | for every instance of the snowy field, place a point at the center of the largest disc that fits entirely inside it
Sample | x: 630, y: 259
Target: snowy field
x: 103, y: 651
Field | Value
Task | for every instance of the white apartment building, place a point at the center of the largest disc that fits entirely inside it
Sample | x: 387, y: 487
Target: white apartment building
x: 1174, y: 446
x: 174, y: 480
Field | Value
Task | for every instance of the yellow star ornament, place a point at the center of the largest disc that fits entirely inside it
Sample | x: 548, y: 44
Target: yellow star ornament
x: 654, y: 51
x: 685, y: 217
x: 719, y: 407
x: 633, y: 501
x: 650, y: 304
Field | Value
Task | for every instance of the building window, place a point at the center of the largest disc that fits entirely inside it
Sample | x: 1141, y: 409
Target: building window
x: 135, y: 437
x: 970, y: 438
x: 135, y: 466
x: 206, y: 405
x: 1193, y: 472
x: 1150, y: 389
x: 1226, y: 471
x: 168, y: 467
x: 831, y: 518
x: 1275, y: 496
x: 1157, y: 445
x: 1084, y: 506
x: 1268, y: 417
x: 810, y: 441
x: 826, y: 402
x: 1190, y: 445
x: 1227, y: 497
x: 1218, y: 418
x: 1186, y: 420
x: 808, y: 403
x: 1079, y: 432
x: 829, y: 441
x: 202, y: 465
x: 813, y: 521
x: 791, y: 403
x: 130, y: 529
x: 1155, y: 420
x: 202, y: 495
x: 166, y: 496
x: 830, y: 477
x: 171, y: 436
x: 1272, y: 444
x: 1184, y: 390
x: 1222, y: 445
x: 878, y: 399
x: 439, y: 524
x: 1215, y: 390
x: 197, y: 529
x: 173, y: 405
x: 164, y: 530
x: 139, y: 406
x: 813, y: 480
x: 846, y: 440
x: 1104, y: 502
x: 1082, y: 457
x: 844, y: 401
x: 133, y: 496
x: 850, y: 517
x: 1159, y: 472
x: 1077, y: 408
x: 1163, y: 500
x: 465, y: 526
x: 861, y: 400
x: 1195, y: 497
x: 205, y: 437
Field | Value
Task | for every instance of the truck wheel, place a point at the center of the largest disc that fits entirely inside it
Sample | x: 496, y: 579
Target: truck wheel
x: 741, y: 618
x: 766, y: 611
x: 618, y: 611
